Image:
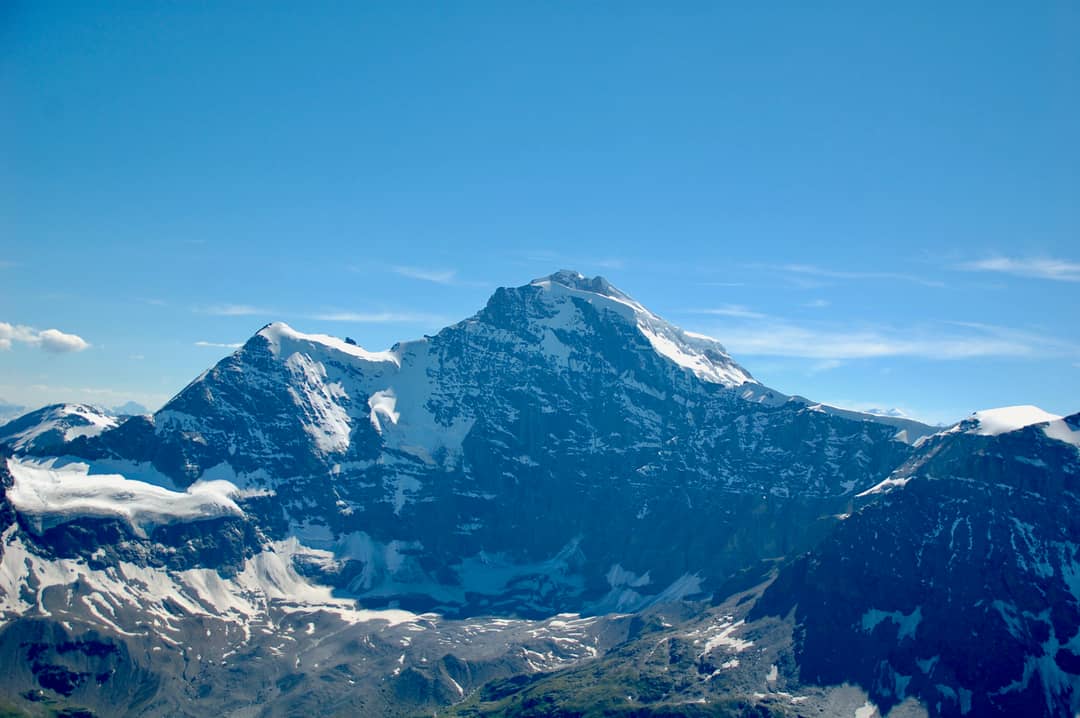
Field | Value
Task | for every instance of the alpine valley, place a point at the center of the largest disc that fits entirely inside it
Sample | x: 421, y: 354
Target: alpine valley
x: 561, y: 506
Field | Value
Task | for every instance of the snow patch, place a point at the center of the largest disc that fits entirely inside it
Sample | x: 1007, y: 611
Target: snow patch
x: 907, y: 623
x: 721, y: 635
x: 383, y: 403
x: 325, y: 420
x: 703, y: 356
x: 992, y: 422
x: 618, y: 576
x: 1061, y: 431
x: 52, y: 496
x: 867, y: 710
x: 893, y: 482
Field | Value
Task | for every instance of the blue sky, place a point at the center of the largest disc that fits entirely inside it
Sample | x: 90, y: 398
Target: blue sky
x: 870, y: 207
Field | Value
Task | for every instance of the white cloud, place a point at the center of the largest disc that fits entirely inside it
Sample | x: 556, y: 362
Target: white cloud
x: 50, y: 340
x: 817, y: 304
x: 218, y: 345
x: 1061, y: 270
x: 439, y: 276
x: 54, y: 340
x: 14, y: 333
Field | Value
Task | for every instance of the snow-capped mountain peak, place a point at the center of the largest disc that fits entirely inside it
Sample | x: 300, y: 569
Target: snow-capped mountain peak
x: 54, y: 425
x: 1002, y: 420
x: 285, y: 341
x: 570, y: 279
x: 704, y: 356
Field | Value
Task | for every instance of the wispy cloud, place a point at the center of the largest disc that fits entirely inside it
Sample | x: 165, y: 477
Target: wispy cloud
x: 811, y: 270
x: 438, y: 276
x: 556, y: 261
x: 233, y: 310
x: 832, y: 342
x: 818, y: 304
x: 435, y: 275
x: 50, y: 340
x: 731, y: 310
x: 219, y: 345
x: 1061, y: 270
x: 330, y: 315
x: 378, y: 317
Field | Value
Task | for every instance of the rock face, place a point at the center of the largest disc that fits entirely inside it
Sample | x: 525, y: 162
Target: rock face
x: 959, y: 585
x: 310, y: 526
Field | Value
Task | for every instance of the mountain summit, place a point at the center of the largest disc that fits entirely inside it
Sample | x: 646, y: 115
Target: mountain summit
x: 705, y: 357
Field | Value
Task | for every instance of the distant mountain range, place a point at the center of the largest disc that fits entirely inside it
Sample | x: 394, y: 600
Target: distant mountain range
x: 562, y: 483
x: 10, y: 411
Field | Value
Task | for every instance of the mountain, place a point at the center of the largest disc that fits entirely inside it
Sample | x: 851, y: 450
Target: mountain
x: 9, y: 411
x: 959, y: 585
x: 951, y: 591
x: 311, y: 526
x: 908, y: 429
x: 51, y: 427
x: 130, y: 408
x: 541, y: 456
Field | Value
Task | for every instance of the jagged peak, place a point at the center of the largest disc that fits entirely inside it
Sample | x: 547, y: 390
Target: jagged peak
x: 704, y: 356
x: 577, y: 283
x: 576, y: 280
